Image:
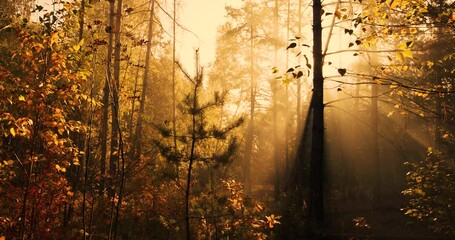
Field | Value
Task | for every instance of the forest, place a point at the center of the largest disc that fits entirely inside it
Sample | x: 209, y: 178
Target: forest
x: 316, y: 119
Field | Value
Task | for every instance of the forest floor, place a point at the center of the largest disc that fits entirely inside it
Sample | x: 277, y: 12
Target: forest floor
x: 384, y: 222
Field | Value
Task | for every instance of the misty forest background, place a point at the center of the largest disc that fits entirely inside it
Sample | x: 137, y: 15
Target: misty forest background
x: 106, y: 135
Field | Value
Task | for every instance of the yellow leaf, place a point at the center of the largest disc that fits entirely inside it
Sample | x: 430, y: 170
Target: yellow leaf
x: 393, y: 86
x: 54, y: 38
x: 419, y: 192
x: 407, y: 53
x: 390, y: 114
x: 394, y: 4
x: 372, y: 40
x: 8, y: 163
x: 421, y: 114
x: 77, y: 47
x: 21, y: 98
x: 397, y: 106
x: 445, y: 135
x: 60, y: 169
x: 400, y: 93
x: 402, y: 46
x: 12, y: 131
x: 400, y: 56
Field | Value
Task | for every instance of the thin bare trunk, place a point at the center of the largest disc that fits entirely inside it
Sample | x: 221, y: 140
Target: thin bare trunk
x: 114, y: 157
x: 174, y: 100
x: 287, y: 116
x: 276, y: 159
x: 115, y: 128
x: 375, y: 144
x: 198, y: 81
x: 138, y: 135
x: 106, y: 97
x: 250, y: 130
x: 133, y: 107
x: 88, y: 151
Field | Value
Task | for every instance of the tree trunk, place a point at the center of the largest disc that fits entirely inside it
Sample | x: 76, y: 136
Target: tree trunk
x: 114, y: 90
x: 438, y: 119
x: 113, y: 164
x: 316, y: 203
x: 81, y: 20
x: 250, y: 130
x: 287, y: 115
x: 132, y: 130
x: 274, y: 84
x: 174, y: 97
x: 138, y: 135
x: 375, y: 145
x: 299, y: 81
x: 106, y: 96
x: 88, y: 149
x: 194, y: 138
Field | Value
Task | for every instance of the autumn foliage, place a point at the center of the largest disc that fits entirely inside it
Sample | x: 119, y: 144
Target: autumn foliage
x: 41, y: 81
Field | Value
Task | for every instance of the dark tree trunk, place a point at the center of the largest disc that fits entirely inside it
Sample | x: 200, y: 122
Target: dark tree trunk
x: 375, y: 145
x: 299, y: 81
x: 316, y: 198
x: 81, y: 20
